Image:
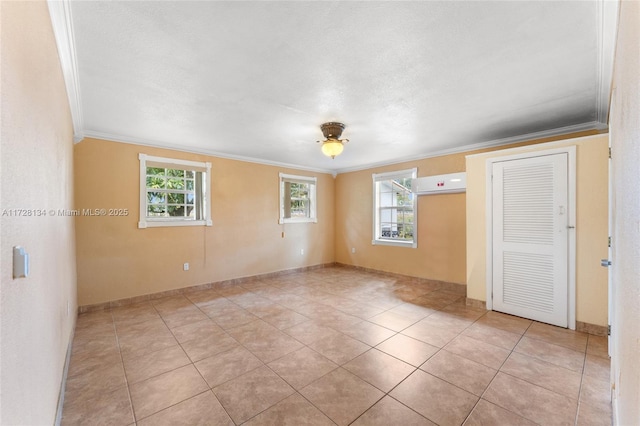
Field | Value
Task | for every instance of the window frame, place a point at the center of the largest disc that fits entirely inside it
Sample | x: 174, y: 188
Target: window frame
x: 173, y: 163
x: 313, y: 210
x: 377, y: 238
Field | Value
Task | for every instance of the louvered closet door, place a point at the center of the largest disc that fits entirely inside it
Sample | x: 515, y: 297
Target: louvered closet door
x: 530, y: 245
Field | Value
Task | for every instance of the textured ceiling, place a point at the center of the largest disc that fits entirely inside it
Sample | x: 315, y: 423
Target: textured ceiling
x: 409, y: 79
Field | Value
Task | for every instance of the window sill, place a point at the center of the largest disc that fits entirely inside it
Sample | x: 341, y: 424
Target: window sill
x: 166, y: 223
x: 305, y: 220
x: 407, y: 244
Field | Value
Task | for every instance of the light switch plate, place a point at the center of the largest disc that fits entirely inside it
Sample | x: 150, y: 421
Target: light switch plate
x: 20, y: 262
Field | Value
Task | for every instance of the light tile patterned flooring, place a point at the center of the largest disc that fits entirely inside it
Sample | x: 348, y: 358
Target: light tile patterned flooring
x: 330, y: 346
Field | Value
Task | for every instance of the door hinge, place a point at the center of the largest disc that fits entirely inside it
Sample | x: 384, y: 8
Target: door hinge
x: 609, y: 152
x: 608, y: 330
x: 609, y: 241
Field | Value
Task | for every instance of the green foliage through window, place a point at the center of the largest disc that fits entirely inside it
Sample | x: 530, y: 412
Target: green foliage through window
x: 300, y: 202
x: 171, y: 192
x: 297, y: 198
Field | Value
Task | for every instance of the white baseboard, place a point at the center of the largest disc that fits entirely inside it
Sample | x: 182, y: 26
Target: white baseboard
x: 63, y: 383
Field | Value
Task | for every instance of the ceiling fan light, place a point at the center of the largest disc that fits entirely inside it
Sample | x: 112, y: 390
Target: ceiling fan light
x: 332, y: 147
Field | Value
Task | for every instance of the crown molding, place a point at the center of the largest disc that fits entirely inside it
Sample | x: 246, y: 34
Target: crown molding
x: 607, y: 31
x: 194, y: 150
x: 592, y: 125
x: 60, y: 13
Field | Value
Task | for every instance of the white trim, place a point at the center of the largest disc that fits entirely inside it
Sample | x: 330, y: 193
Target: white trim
x: 282, y: 221
x: 62, y: 22
x: 571, y: 256
x: 377, y: 177
x: 527, y: 148
x: 488, y: 208
x: 203, y: 166
x: 380, y: 177
x: 313, y: 197
x: 592, y: 125
x: 407, y: 244
x: 614, y: 405
x: 174, y: 147
x: 310, y: 179
x: 157, y: 223
x: 607, y: 29
x: 63, y: 382
x: 572, y: 177
x: 144, y: 221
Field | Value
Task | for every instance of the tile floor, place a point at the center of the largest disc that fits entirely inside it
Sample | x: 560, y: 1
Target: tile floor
x: 330, y: 346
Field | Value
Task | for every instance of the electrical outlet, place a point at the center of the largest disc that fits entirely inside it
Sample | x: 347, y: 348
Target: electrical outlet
x: 353, y: 249
x: 186, y: 266
x: 302, y: 252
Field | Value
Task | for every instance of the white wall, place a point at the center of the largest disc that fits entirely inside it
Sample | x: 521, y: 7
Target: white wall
x: 36, y: 166
x: 625, y: 140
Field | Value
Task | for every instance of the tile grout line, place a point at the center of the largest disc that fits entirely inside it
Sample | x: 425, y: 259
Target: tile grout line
x: 415, y: 368
x: 296, y: 391
x: 418, y: 367
x: 496, y: 375
x: 267, y: 366
x: 193, y: 363
x: 584, y: 371
x: 126, y: 379
x: 339, y: 293
x: 534, y: 384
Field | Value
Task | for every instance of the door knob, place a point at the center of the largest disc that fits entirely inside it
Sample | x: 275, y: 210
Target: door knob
x: 605, y: 262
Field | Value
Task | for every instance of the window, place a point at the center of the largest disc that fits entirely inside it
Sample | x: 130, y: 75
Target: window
x: 297, y: 199
x: 395, y: 219
x: 173, y: 192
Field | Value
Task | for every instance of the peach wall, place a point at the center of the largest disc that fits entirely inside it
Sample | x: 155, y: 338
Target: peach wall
x: 116, y: 260
x: 37, y: 313
x: 441, y: 225
x: 591, y: 225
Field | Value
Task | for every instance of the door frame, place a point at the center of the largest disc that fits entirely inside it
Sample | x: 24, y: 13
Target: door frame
x: 571, y: 219
x: 610, y: 285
